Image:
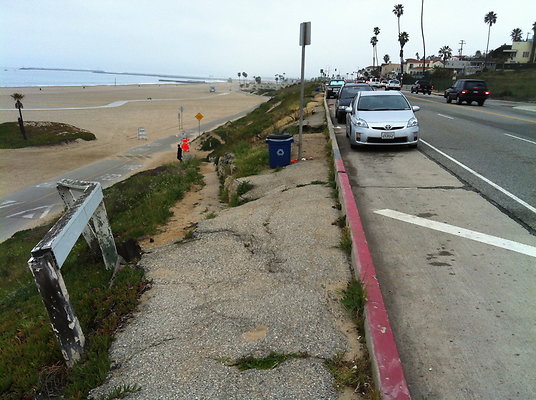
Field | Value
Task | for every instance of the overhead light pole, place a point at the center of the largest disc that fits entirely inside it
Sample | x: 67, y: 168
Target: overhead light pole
x: 305, y: 39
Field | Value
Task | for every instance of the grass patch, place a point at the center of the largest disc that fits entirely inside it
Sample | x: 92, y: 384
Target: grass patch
x: 356, y: 373
x: 244, y: 187
x: 121, y: 392
x: 40, y: 133
x: 31, y: 363
x: 269, y: 362
x: 345, y: 243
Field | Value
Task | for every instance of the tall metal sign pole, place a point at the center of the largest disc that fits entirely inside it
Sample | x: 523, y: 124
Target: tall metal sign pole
x: 305, y: 39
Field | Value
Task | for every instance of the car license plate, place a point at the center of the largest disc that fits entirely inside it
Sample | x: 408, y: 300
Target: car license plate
x: 388, y: 135
x: 475, y: 91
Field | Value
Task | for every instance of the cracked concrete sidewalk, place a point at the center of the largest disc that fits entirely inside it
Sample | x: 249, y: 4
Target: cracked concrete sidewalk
x: 259, y: 278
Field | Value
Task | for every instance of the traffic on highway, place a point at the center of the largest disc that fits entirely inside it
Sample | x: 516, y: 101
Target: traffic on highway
x: 451, y: 226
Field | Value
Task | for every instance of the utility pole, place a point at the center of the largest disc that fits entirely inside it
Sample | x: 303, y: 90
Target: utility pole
x: 305, y: 39
x: 462, y: 42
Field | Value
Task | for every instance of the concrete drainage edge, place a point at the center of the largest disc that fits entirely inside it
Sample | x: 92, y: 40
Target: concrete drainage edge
x: 387, y: 366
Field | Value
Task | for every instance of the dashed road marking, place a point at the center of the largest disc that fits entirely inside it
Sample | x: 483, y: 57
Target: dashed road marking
x: 444, y: 116
x: 462, y: 232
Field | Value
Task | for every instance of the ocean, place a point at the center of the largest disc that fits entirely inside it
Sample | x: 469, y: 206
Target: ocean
x: 19, y: 77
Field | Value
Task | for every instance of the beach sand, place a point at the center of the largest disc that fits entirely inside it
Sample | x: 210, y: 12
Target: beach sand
x: 116, y: 128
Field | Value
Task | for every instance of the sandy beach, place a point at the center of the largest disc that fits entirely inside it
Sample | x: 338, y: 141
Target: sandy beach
x: 153, y: 107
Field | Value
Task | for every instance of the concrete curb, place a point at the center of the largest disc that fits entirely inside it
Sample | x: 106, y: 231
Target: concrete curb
x: 387, y: 367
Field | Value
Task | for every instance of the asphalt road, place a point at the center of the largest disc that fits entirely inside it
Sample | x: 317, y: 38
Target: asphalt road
x: 496, y: 141
x: 456, y: 270
x: 29, y: 206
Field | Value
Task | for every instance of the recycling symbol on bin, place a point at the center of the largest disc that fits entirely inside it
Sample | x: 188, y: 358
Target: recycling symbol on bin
x: 280, y: 152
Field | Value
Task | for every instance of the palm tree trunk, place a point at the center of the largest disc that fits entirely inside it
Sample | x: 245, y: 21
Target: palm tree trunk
x: 487, y: 47
x: 21, y: 125
x: 423, y: 44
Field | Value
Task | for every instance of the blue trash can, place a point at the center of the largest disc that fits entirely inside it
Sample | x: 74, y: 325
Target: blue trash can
x: 279, y: 148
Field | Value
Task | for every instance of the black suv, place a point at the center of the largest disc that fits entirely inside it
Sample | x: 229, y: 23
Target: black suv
x: 346, y: 95
x: 422, y: 86
x: 468, y: 90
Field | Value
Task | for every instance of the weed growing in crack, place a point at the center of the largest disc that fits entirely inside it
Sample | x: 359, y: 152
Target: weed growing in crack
x: 120, y: 392
x: 346, y: 241
x: 271, y: 361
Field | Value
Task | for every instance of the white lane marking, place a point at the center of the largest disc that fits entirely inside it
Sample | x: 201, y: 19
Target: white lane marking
x: 445, y: 116
x: 32, y: 212
x: 517, y: 137
x: 499, y: 188
x: 9, y: 203
x: 466, y: 233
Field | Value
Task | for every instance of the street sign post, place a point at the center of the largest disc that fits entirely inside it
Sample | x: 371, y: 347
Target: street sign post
x: 305, y: 39
x: 199, y: 117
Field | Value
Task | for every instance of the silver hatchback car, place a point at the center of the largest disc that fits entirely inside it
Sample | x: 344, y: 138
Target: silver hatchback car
x: 381, y: 118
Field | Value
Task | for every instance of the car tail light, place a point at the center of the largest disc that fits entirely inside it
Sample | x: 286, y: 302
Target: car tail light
x: 465, y: 91
x: 487, y: 92
x: 419, y: 85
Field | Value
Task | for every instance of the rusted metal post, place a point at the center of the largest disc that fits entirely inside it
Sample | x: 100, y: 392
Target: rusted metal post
x: 56, y: 300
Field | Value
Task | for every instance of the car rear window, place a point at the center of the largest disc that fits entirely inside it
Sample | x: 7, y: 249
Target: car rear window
x: 336, y: 83
x: 475, y: 84
x: 379, y: 103
x: 423, y: 82
x: 349, y: 92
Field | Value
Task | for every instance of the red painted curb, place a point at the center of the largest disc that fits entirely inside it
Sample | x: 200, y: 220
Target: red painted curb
x: 383, y: 350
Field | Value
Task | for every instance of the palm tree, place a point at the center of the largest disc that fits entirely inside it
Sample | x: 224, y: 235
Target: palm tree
x: 398, y: 10
x: 376, y: 31
x: 516, y: 35
x: 490, y: 18
x: 239, y: 75
x: 245, y: 75
x: 373, y: 42
x: 386, y: 58
x: 403, y: 38
x: 445, y: 52
x: 18, y: 97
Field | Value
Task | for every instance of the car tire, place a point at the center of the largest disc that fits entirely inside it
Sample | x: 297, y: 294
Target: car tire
x: 481, y: 102
x: 449, y: 99
x: 413, y: 146
x: 411, y: 90
x: 340, y: 120
x: 458, y: 100
x: 429, y: 93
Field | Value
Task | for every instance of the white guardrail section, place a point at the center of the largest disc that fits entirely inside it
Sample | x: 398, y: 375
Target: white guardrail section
x: 85, y: 215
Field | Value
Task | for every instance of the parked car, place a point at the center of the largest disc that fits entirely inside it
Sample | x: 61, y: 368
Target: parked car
x: 333, y: 87
x: 345, y: 97
x: 381, y: 118
x: 468, y: 90
x: 393, y: 84
x: 421, y: 86
x: 383, y: 83
x: 375, y: 83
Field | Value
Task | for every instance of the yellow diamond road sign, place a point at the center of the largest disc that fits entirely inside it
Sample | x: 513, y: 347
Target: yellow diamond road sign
x: 199, y: 116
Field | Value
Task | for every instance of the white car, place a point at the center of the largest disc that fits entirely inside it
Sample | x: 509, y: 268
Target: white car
x: 381, y: 118
x: 393, y: 84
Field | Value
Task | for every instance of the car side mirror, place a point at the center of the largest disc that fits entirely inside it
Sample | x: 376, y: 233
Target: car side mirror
x: 348, y: 109
x: 415, y: 108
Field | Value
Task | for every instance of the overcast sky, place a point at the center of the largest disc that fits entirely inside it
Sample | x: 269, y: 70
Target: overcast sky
x: 222, y: 37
